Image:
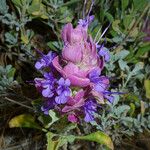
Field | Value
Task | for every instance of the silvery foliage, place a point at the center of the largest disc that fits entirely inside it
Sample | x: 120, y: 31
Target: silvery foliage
x: 119, y: 118
x: 6, y: 77
x: 115, y: 120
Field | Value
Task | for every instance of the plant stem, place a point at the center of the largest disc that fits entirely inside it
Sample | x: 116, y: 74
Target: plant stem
x: 13, y: 101
x: 50, y: 143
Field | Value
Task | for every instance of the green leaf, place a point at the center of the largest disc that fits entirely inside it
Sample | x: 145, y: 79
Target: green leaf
x: 134, y: 32
x: 147, y: 88
x: 127, y: 21
x: 53, y: 45
x: 12, y: 39
x: 124, y: 4
x: 98, y: 137
x: 61, y: 142
x: 24, y: 120
x: 127, y: 121
x: 69, y: 3
x: 137, y: 68
x: 139, y: 4
x: 117, y: 39
x: 122, y: 64
x: 132, y: 109
x: 65, y: 15
x: 3, y: 7
x: 44, y: 119
x: 132, y: 97
x: 121, y: 55
x: 34, y: 7
x: 115, y: 26
x: 18, y: 3
x: 142, y: 108
x: 22, y: 4
x: 70, y: 138
x: 8, y: 67
x: 54, y: 142
x: 37, y: 9
x: 109, y: 17
x: 143, y: 49
x: 11, y: 73
x: 116, y: 100
x: 51, y: 145
x: 69, y: 127
x: 121, y: 110
x: 24, y: 38
x: 52, y: 114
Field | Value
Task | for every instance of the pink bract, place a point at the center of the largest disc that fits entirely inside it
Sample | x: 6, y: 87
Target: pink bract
x: 79, y: 54
x: 72, y: 118
x: 75, y: 102
x: 73, y: 106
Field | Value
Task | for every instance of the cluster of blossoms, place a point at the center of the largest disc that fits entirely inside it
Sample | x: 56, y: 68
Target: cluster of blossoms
x: 72, y: 82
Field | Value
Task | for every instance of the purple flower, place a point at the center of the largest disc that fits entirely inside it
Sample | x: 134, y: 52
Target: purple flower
x: 101, y: 83
x: 45, y: 61
x: 90, y: 108
x: 63, y: 91
x: 94, y: 75
x: 47, y: 92
x: 45, y: 85
x: 85, y: 22
x: 61, y: 99
x: 100, y: 86
x: 109, y: 95
x: 38, y: 83
x: 103, y: 51
x: 146, y: 30
x: 48, y: 104
x: 73, y: 83
x: 48, y: 85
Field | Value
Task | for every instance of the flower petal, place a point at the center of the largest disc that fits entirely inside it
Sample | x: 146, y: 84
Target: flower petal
x: 38, y: 65
x: 72, y: 118
x: 72, y: 53
x: 71, y: 71
x: 88, y: 117
x: 77, y: 81
x: 66, y: 33
x: 61, y: 99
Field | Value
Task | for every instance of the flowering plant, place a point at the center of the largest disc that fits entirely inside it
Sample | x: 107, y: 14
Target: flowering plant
x: 74, y: 99
x: 73, y: 83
